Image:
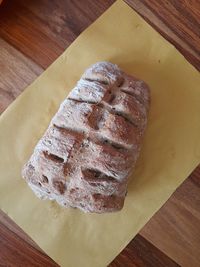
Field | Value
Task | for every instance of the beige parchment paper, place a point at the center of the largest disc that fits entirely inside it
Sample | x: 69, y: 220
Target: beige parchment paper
x: 170, y: 152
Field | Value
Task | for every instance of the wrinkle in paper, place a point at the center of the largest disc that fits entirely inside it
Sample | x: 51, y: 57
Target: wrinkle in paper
x: 170, y: 152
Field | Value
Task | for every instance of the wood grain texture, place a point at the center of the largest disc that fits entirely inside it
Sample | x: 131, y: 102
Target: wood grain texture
x: 175, y: 229
x: 43, y: 29
x: 177, y: 21
x: 33, y: 33
x: 17, y: 71
x: 141, y: 252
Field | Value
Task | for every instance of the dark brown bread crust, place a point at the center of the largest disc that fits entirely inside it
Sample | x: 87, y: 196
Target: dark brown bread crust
x: 92, y: 143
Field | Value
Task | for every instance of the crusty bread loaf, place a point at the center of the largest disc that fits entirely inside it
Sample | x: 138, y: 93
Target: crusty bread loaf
x: 92, y: 143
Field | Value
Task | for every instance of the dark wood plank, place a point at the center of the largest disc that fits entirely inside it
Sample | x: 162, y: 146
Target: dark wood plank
x: 141, y: 253
x: 43, y: 29
x: 175, y: 229
x: 177, y: 21
x: 16, y: 72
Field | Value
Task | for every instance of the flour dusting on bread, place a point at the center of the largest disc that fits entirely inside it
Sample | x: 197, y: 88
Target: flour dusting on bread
x: 91, y: 146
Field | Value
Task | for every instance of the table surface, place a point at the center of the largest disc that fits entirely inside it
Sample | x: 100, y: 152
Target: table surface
x: 32, y: 35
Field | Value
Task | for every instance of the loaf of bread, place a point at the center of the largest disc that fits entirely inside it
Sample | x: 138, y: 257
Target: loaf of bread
x: 91, y: 146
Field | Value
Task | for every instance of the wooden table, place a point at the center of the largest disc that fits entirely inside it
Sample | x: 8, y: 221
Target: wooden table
x: 32, y: 35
